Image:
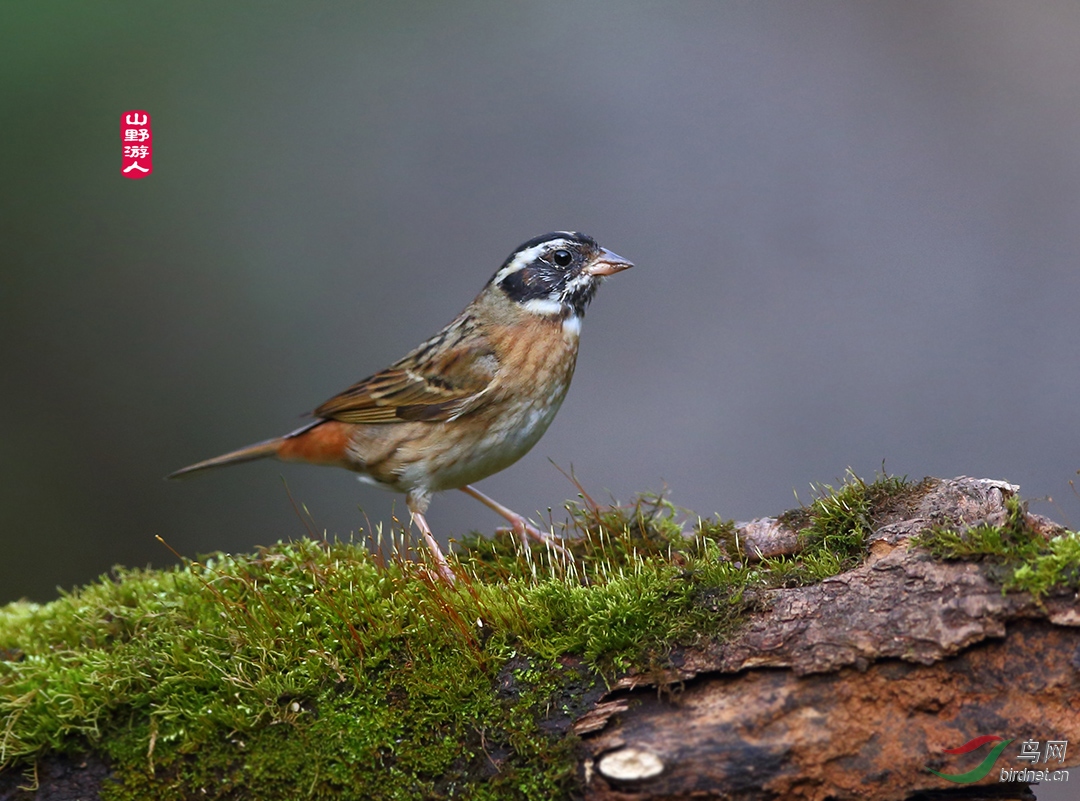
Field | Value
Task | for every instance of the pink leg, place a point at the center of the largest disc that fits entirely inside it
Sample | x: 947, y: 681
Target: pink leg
x: 518, y: 524
x: 417, y: 506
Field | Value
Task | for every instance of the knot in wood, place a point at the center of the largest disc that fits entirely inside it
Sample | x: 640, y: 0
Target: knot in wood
x: 629, y: 764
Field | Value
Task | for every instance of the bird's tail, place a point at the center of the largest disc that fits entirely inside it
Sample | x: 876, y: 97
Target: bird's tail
x: 324, y: 442
x: 260, y: 450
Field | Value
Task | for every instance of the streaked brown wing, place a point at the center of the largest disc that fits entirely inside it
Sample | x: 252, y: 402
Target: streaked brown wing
x: 435, y: 382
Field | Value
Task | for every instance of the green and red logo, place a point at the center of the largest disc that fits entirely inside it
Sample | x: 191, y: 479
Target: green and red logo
x: 983, y: 767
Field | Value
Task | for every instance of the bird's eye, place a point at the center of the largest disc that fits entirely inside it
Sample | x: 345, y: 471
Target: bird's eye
x: 562, y: 258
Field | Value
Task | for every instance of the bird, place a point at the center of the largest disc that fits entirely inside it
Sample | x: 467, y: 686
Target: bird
x: 470, y: 400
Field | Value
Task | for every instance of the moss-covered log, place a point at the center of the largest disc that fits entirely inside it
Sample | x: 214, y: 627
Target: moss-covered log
x: 835, y: 651
x: 883, y: 668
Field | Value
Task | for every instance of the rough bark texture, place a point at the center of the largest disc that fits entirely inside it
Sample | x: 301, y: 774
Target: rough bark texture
x: 852, y: 688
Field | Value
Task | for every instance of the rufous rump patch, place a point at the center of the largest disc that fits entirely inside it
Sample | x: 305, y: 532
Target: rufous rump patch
x: 325, y: 444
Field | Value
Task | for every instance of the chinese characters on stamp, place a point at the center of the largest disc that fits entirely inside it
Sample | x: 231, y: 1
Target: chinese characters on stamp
x: 137, y: 143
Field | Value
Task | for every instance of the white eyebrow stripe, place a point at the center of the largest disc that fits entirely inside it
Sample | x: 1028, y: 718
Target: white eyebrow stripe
x: 526, y: 257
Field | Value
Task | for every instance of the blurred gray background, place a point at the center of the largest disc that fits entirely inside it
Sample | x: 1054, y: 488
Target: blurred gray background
x: 856, y: 228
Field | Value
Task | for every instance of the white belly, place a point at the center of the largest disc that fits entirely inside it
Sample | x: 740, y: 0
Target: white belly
x: 503, y: 443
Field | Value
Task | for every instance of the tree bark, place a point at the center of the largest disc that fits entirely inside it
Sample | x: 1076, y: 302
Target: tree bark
x: 853, y: 688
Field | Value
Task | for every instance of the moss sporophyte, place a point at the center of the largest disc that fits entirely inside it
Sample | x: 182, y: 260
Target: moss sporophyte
x: 316, y: 669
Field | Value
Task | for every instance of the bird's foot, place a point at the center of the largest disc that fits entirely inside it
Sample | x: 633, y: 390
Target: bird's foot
x: 522, y: 528
x: 525, y: 531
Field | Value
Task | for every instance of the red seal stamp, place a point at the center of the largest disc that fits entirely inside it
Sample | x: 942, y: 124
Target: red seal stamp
x: 138, y: 144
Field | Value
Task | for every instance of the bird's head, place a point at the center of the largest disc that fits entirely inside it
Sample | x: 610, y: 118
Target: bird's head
x: 557, y: 274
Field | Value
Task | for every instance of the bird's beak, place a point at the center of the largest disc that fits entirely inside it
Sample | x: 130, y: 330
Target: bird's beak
x: 607, y: 263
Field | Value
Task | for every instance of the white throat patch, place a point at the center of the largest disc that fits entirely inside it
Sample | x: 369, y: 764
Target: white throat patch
x: 545, y: 307
x: 571, y: 327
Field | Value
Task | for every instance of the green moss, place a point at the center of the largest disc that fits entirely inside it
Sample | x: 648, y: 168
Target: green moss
x: 1056, y: 567
x: 834, y: 528
x: 329, y: 669
x: 325, y: 670
x: 1019, y: 556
